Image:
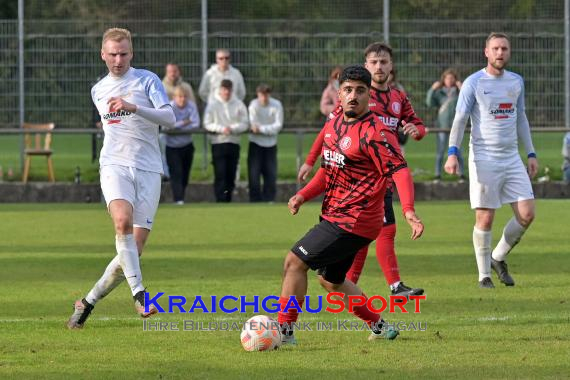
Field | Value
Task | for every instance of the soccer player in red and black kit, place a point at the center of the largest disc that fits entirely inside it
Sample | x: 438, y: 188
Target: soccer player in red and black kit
x: 394, y: 109
x: 359, y: 156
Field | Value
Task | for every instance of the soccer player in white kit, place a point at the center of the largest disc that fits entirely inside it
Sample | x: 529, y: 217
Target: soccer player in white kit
x: 494, y: 100
x: 132, y: 104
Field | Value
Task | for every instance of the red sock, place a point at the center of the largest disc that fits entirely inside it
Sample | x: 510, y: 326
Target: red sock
x: 366, y: 315
x: 386, y: 255
x: 291, y: 315
x: 355, y: 270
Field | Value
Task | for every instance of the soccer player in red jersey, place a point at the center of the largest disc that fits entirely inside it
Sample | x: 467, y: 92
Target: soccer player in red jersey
x: 359, y: 156
x: 395, y: 110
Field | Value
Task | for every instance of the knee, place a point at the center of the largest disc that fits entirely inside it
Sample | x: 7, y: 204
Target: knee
x: 328, y: 286
x: 123, y: 225
x: 526, y: 218
x: 484, y: 222
x: 293, y: 264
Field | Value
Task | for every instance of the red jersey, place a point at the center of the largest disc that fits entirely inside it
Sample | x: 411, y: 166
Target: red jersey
x: 358, y: 159
x: 392, y: 107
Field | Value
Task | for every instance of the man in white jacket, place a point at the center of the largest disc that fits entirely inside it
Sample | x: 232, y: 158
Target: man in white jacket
x: 219, y: 71
x: 226, y: 117
x: 266, y: 118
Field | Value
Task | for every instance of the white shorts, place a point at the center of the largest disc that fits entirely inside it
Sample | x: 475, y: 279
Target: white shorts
x: 138, y: 187
x: 495, y: 183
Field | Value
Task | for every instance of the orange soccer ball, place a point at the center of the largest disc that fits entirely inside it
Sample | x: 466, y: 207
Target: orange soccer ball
x: 260, y: 333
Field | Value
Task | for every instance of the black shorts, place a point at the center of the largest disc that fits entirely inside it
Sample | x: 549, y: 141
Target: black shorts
x: 330, y: 250
x: 389, y: 217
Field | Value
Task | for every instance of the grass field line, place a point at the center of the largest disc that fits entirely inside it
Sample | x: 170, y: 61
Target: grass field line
x: 26, y: 320
x: 42, y: 320
x: 490, y: 318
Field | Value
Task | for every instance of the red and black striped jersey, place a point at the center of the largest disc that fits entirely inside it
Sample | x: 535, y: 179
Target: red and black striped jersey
x: 392, y: 107
x: 358, y: 159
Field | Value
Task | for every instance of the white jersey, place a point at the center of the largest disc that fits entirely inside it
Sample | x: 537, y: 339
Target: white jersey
x: 496, y: 107
x: 130, y: 140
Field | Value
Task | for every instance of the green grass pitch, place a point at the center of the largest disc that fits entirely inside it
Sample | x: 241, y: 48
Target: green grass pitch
x: 51, y: 255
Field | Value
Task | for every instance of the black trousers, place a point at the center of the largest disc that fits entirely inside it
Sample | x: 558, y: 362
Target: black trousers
x: 179, y: 162
x: 225, y: 158
x: 262, y: 162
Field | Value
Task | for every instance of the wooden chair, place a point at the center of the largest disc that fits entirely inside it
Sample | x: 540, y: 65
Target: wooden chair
x: 34, y: 147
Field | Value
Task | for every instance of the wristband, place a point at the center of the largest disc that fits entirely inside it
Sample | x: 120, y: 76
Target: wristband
x: 531, y: 155
x: 453, y: 150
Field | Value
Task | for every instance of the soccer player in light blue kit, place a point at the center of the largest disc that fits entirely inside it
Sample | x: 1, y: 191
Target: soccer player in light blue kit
x: 132, y: 104
x: 494, y: 100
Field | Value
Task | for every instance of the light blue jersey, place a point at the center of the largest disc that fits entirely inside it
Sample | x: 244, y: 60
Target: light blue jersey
x: 496, y: 107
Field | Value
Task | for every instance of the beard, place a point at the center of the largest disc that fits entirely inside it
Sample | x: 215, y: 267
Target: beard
x: 499, y: 65
x: 376, y: 78
x: 351, y: 114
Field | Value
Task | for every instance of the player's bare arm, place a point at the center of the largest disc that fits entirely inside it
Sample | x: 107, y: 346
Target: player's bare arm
x: 451, y: 165
x: 304, y: 172
x: 411, y: 129
x: 121, y: 104
x: 415, y: 223
x: 532, y: 167
x: 295, y: 203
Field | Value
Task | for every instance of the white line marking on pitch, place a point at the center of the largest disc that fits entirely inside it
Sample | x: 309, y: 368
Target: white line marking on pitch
x: 485, y: 319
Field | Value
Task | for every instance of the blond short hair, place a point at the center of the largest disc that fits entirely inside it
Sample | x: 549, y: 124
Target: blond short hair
x: 117, y: 35
x: 493, y: 35
x: 183, y: 89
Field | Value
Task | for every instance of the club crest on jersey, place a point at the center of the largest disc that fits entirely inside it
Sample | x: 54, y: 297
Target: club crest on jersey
x: 396, y: 107
x: 502, y: 110
x: 345, y: 143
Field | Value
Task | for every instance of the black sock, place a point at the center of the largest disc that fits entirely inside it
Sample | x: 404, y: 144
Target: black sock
x: 377, y: 327
x: 286, y: 330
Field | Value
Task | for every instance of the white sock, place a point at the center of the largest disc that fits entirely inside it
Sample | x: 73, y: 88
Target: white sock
x: 512, y: 234
x: 482, y: 245
x: 394, y: 285
x: 129, y: 259
x: 112, y: 277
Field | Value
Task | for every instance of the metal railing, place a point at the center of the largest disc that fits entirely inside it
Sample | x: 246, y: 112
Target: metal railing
x: 297, y: 131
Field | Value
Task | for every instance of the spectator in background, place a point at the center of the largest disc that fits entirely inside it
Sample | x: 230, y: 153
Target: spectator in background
x: 443, y: 95
x: 173, y: 78
x: 266, y: 120
x: 226, y: 118
x: 566, y: 155
x: 393, y: 81
x: 219, y: 71
x: 329, y: 98
x: 179, y: 148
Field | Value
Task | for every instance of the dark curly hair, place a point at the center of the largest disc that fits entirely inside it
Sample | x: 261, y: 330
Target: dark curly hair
x: 357, y: 73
